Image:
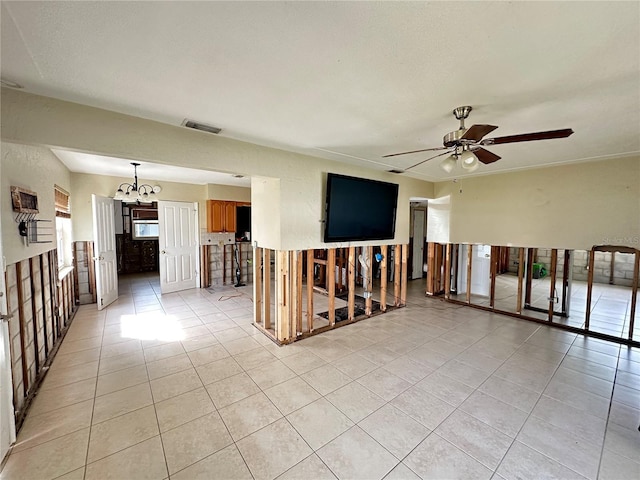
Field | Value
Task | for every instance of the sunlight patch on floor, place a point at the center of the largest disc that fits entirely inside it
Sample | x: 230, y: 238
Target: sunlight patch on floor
x: 151, y: 326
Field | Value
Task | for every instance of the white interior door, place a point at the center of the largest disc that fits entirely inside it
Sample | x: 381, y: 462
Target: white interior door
x: 105, y: 250
x: 418, y: 244
x: 178, y: 241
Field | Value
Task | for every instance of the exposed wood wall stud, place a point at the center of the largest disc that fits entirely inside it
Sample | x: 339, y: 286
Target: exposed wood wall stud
x: 552, y: 283
x: 397, y: 273
x: 331, y: 281
x: 23, y: 329
x: 469, y: 262
x: 267, y: 288
x: 403, y: 278
x: 310, y: 277
x: 383, y: 278
x: 520, y: 279
x: 634, y: 293
x: 587, y: 315
x: 368, y: 302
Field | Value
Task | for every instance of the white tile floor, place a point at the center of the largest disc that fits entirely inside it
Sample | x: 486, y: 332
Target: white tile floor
x: 183, y: 386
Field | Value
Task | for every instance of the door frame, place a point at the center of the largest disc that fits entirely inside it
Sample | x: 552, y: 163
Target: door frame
x: 7, y: 414
x: 418, y: 243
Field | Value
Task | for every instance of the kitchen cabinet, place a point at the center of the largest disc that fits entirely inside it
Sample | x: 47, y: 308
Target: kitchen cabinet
x: 221, y: 216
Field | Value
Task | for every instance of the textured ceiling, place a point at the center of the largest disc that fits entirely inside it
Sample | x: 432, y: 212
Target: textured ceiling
x: 349, y: 81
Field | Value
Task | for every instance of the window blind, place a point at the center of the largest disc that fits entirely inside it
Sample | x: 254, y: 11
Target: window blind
x: 62, y: 203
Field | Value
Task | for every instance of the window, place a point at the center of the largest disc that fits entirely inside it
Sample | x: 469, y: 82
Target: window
x: 145, y: 229
x: 63, y: 227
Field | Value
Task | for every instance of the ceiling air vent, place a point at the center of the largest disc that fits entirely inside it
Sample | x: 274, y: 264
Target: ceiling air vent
x: 201, y: 126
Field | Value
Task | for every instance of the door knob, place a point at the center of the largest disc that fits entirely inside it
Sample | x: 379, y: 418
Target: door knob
x: 164, y: 252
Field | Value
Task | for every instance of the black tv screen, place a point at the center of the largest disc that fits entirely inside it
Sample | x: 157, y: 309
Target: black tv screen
x: 359, y: 209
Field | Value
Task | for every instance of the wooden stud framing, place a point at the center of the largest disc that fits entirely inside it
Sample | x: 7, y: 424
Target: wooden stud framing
x: 368, y: 302
x: 447, y: 272
x: 383, y: 278
x: 310, y: 276
x: 298, y: 291
x: 44, y: 306
x: 611, y: 268
x: 403, y: 278
x: 267, y: 288
x: 396, y: 275
x: 552, y: 287
x: 495, y: 259
x: 76, y: 296
x: 331, y: 284
x: 34, y: 316
x: 257, y: 284
x: 352, y: 283
x: 431, y: 266
x: 634, y: 293
x: 520, y: 279
x: 469, y: 262
x: 23, y: 332
x: 527, y: 291
x: 587, y: 315
x: 566, y: 271
x: 283, y: 319
x: 92, y: 271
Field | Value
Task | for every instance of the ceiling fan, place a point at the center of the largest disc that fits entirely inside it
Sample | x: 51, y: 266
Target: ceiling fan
x: 466, y: 144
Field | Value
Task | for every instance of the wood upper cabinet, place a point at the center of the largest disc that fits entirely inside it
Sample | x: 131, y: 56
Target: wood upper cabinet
x: 215, y: 216
x: 230, y: 217
x: 221, y: 215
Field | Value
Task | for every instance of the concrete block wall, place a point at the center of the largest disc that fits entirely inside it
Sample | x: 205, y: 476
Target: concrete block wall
x: 219, y: 265
x: 30, y: 334
x: 622, y: 272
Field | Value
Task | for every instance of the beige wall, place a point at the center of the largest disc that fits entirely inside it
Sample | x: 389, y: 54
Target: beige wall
x: 571, y: 206
x: 40, y: 120
x: 36, y: 169
x: 228, y: 192
x: 83, y: 185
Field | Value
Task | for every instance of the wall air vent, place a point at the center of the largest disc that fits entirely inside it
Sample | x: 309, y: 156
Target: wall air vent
x: 200, y: 126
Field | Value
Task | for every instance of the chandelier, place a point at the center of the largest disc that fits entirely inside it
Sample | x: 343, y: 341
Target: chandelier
x: 136, y: 193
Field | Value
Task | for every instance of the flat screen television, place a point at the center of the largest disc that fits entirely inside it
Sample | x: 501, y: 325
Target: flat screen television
x: 359, y: 209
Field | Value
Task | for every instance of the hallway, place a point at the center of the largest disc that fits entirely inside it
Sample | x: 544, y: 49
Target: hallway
x: 183, y: 386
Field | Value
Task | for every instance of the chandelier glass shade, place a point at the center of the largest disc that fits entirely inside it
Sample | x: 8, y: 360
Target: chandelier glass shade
x: 134, y: 193
x: 468, y: 161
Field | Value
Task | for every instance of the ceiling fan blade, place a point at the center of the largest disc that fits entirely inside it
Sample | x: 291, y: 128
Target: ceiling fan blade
x: 430, y: 158
x: 415, y: 151
x: 476, y: 132
x: 528, y: 137
x: 485, y: 156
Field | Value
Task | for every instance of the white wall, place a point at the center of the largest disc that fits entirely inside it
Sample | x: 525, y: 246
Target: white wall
x: 38, y: 170
x: 265, y: 211
x: 83, y: 185
x: 33, y: 119
x: 571, y: 206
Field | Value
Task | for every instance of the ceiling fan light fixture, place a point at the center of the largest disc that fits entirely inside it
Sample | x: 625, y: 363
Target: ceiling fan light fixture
x: 449, y: 163
x: 468, y: 160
